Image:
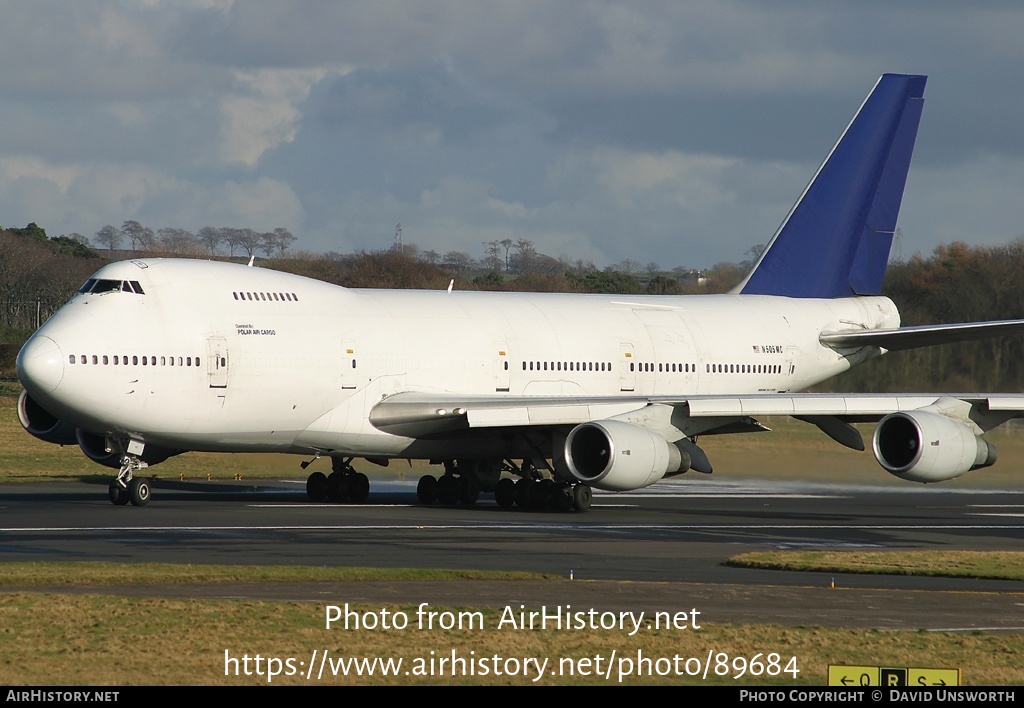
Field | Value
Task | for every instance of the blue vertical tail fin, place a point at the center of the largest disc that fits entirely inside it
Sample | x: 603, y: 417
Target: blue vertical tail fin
x: 835, y: 241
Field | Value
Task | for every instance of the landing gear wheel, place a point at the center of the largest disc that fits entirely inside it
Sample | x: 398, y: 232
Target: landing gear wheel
x: 448, y: 491
x: 118, y: 494
x: 537, y: 494
x: 582, y: 495
x: 426, y: 490
x: 138, y: 491
x: 469, y: 490
x: 316, y: 487
x: 505, y: 493
x: 523, y: 492
x: 562, y: 497
x: 359, y: 488
x: 337, y: 487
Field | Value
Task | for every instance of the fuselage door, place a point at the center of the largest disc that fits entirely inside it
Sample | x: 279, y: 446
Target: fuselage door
x: 217, y: 361
x: 627, y: 367
x: 348, y: 364
x: 502, y: 375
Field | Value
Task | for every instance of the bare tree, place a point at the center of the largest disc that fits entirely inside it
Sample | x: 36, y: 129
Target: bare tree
x: 526, y: 254
x: 506, y: 243
x: 232, y: 237
x: 457, y: 261
x: 138, y: 235
x: 249, y: 240
x: 110, y: 237
x: 268, y: 242
x: 178, y: 242
x: 210, y: 238
x: 492, y: 256
x: 284, y: 239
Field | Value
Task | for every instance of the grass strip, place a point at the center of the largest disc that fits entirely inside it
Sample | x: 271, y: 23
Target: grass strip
x: 100, y: 573
x: 993, y: 565
x: 110, y: 641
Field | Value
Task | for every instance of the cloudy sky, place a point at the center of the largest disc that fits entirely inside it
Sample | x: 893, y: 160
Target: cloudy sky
x: 669, y: 131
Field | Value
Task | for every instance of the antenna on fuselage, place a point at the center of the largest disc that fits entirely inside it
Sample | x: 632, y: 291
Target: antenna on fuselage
x: 252, y: 259
x: 451, y: 284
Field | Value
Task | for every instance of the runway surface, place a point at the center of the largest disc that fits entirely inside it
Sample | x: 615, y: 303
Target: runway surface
x: 662, y: 548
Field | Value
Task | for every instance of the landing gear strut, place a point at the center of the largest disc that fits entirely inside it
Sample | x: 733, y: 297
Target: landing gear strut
x: 343, y: 484
x: 128, y: 486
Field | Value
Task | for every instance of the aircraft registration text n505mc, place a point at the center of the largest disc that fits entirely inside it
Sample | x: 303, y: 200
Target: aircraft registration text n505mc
x: 155, y: 357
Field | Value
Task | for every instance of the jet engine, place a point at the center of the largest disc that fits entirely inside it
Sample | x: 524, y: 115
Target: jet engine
x: 95, y: 448
x: 42, y: 424
x: 928, y: 447
x: 617, y: 456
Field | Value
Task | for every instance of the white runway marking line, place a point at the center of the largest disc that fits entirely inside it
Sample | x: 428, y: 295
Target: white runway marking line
x: 1010, y: 514
x: 528, y: 525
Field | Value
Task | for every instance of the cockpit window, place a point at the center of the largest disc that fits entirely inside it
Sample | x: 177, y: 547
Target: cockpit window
x: 106, y: 286
x: 102, y: 285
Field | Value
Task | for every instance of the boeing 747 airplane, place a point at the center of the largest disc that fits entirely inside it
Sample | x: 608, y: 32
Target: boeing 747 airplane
x: 156, y: 357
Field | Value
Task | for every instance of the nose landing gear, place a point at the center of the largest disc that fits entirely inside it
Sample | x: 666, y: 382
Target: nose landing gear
x: 128, y: 486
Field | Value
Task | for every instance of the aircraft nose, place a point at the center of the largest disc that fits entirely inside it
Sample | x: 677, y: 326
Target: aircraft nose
x: 40, y: 364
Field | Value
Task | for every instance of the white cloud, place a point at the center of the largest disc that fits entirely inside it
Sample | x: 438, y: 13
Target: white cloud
x: 262, y: 112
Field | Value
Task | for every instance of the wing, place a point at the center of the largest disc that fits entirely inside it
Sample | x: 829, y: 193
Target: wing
x: 432, y: 414
x: 923, y: 437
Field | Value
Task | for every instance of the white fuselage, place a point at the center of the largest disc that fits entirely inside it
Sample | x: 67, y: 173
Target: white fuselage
x: 217, y: 356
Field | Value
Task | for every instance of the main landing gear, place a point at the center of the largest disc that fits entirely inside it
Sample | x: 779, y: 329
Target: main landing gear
x: 343, y: 484
x: 128, y: 486
x: 463, y: 480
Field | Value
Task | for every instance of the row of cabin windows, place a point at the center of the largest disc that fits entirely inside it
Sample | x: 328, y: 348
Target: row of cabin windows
x: 117, y: 360
x: 565, y: 366
x: 744, y: 368
x: 663, y: 368
x: 288, y: 297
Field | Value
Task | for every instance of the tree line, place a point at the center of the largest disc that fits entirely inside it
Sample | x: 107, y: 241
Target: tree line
x: 207, y: 241
x: 956, y: 283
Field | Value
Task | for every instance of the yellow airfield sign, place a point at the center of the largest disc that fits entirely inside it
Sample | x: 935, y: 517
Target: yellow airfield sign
x: 840, y: 675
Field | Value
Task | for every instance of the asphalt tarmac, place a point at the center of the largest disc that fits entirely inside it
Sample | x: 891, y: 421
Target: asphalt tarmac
x: 659, y: 549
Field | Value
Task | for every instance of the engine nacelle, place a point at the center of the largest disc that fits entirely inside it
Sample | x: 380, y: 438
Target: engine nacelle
x: 617, y: 456
x: 928, y: 447
x: 95, y: 448
x: 42, y: 424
